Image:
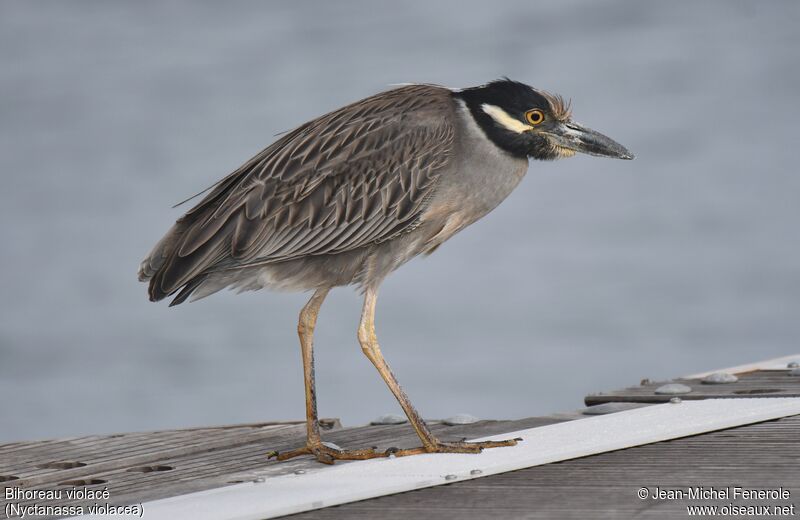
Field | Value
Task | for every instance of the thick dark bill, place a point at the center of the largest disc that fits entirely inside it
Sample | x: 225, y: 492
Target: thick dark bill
x: 585, y: 140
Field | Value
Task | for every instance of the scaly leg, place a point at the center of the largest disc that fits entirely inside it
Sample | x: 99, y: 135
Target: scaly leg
x: 430, y: 444
x: 314, y: 446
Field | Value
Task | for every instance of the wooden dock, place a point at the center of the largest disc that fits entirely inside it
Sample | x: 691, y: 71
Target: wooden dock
x: 223, y: 472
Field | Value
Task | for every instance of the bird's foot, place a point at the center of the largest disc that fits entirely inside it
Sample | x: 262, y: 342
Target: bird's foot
x: 327, y: 454
x: 453, y: 447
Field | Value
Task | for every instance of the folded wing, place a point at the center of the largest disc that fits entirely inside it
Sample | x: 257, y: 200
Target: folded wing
x: 360, y: 175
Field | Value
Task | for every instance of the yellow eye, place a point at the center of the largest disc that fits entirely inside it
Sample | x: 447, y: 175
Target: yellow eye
x: 534, y: 116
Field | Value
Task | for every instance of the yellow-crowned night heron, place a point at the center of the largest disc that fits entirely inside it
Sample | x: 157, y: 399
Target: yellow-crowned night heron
x: 349, y: 197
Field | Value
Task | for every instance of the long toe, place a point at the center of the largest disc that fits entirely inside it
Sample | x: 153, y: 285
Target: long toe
x: 495, y: 444
x: 328, y: 455
x: 453, y: 447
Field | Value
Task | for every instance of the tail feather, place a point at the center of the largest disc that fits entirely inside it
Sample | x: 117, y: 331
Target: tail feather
x: 182, y: 273
x: 187, y: 290
x: 166, y: 270
x: 152, y: 267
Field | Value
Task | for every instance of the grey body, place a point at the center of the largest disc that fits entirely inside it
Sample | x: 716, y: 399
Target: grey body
x: 351, y: 196
x: 477, y: 177
x: 467, y: 176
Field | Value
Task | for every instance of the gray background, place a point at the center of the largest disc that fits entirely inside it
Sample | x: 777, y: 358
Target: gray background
x: 593, y: 274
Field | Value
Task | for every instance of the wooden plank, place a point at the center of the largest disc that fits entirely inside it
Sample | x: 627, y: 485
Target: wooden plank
x: 201, y: 459
x: 109, y: 453
x: 326, y: 486
x: 604, y: 486
x: 197, y: 459
x: 768, y: 383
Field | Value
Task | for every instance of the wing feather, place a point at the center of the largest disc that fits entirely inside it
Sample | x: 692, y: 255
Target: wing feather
x: 357, y: 176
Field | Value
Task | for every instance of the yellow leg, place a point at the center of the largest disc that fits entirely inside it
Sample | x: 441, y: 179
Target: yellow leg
x: 371, y: 348
x: 305, y: 330
x: 314, y: 446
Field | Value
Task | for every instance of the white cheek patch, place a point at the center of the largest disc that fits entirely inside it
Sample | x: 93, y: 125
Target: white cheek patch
x: 502, y: 118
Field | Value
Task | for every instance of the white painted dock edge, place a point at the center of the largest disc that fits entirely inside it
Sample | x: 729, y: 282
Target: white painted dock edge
x: 342, y: 483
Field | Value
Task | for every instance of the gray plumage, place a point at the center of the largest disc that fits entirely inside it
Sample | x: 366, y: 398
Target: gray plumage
x: 343, y: 199
x: 349, y: 197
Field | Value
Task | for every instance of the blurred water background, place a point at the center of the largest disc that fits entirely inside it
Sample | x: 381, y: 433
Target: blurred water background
x: 593, y: 274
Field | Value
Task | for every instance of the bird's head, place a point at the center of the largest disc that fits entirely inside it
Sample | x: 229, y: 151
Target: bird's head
x: 532, y: 123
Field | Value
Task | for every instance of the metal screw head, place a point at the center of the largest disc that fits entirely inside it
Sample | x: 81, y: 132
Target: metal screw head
x: 460, y: 418
x: 389, y: 418
x: 672, y: 389
x: 450, y: 477
x: 793, y: 364
x: 259, y: 480
x: 675, y: 400
x: 299, y: 471
x: 719, y: 378
x: 475, y: 472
